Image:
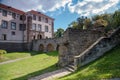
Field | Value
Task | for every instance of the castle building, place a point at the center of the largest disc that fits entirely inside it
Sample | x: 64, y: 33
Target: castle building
x: 17, y: 26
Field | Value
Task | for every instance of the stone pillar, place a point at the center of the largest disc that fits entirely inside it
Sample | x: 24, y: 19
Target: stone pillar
x: 63, y: 60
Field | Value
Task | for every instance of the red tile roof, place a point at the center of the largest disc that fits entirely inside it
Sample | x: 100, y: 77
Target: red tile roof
x: 39, y: 14
x: 11, y: 9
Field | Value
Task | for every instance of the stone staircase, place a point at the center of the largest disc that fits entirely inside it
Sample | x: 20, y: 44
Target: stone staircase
x: 70, y: 67
x: 98, y: 49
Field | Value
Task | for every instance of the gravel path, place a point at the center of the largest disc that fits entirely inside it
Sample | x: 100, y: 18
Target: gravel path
x: 10, y: 61
x: 51, y: 75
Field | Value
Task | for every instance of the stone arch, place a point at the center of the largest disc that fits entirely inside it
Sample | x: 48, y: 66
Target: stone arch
x: 41, y: 47
x: 33, y: 37
x: 50, y: 47
x: 39, y: 36
x: 57, y: 48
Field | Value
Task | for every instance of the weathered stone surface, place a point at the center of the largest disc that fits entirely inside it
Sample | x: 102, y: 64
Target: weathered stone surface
x: 72, y: 43
x: 13, y: 46
x: 77, y: 42
x: 97, y: 49
x: 76, y: 46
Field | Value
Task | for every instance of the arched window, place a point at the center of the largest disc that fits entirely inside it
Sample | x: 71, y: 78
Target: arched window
x: 34, y: 37
x: 39, y: 37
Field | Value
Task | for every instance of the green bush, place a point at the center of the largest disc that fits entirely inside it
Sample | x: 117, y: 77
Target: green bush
x: 2, y: 52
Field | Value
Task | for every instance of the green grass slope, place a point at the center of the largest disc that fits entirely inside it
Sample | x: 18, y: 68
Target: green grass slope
x: 29, y: 67
x: 14, y: 55
x: 106, y: 67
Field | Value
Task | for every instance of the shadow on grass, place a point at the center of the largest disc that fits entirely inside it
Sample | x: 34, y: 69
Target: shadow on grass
x: 52, y: 53
x: 30, y: 75
x: 33, y: 53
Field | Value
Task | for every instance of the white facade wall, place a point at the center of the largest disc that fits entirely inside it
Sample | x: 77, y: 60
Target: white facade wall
x: 18, y: 37
x: 43, y: 24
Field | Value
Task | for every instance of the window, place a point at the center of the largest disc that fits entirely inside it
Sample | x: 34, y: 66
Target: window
x: 10, y: 13
x: 39, y: 27
x: 46, y: 20
x: 0, y: 10
x: 34, y: 27
x: 4, y: 37
x: 34, y: 17
x: 14, y: 15
x: 42, y: 18
x: 18, y: 15
x: 4, y: 13
x: 21, y: 17
x: 4, y: 24
x: 34, y: 37
x: 13, y: 33
x: 22, y: 27
x: 46, y: 28
x: 13, y: 25
x: 39, y: 18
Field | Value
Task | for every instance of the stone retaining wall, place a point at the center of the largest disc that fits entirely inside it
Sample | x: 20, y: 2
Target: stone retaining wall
x: 11, y: 47
x: 76, y: 42
x: 97, y: 49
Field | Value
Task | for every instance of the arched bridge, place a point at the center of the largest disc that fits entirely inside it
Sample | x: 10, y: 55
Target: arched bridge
x: 46, y: 45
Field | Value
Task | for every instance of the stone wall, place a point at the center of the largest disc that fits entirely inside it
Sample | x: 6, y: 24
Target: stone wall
x: 10, y: 47
x: 75, y: 42
x: 97, y: 49
x: 46, y: 45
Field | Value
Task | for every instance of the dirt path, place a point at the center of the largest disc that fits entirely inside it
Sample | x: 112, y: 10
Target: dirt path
x: 10, y: 61
x: 51, y: 75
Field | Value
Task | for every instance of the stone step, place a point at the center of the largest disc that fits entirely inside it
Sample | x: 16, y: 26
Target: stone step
x: 69, y: 69
x: 71, y: 66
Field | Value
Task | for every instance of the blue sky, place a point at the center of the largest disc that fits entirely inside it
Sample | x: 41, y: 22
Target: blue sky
x: 66, y: 11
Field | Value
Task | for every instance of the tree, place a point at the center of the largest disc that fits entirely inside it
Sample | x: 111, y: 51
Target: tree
x: 96, y: 17
x: 59, y: 33
x: 100, y: 22
x: 80, y: 22
x: 73, y: 24
x: 87, y: 23
x: 116, y: 17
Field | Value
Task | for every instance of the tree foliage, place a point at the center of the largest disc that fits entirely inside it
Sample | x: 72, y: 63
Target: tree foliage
x: 116, y: 17
x: 81, y: 23
x: 100, y: 22
x: 59, y: 33
x: 109, y: 21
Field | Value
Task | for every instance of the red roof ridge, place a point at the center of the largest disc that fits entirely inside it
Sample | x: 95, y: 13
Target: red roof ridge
x: 39, y: 13
x: 11, y: 9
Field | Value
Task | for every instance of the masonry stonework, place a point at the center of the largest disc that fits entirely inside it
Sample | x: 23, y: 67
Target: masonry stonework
x: 76, y: 42
x: 102, y: 45
x: 72, y: 43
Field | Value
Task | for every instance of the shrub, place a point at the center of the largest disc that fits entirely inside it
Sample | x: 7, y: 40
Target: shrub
x: 2, y: 52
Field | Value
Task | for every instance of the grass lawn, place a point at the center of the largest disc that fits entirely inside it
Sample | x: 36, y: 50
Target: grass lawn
x: 107, y: 66
x: 35, y: 65
x: 14, y: 55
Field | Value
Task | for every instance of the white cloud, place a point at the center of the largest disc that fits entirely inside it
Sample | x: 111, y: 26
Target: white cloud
x: 89, y: 7
x: 84, y: 7
x: 41, y: 5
